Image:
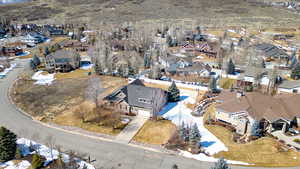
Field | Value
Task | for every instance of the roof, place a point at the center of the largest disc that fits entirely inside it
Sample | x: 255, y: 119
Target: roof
x: 270, y: 50
x: 290, y: 84
x: 135, y: 91
x: 64, y: 56
x: 261, y: 106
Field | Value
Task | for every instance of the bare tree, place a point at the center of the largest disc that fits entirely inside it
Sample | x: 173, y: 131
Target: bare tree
x: 93, y: 90
x: 50, y: 141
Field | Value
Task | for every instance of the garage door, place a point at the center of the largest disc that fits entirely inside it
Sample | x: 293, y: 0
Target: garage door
x: 144, y: 113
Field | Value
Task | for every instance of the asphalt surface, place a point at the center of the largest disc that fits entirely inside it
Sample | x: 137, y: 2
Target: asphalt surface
x: 106, y: 154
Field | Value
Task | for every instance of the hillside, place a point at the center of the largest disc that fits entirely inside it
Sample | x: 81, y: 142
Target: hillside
x: 209, y: 12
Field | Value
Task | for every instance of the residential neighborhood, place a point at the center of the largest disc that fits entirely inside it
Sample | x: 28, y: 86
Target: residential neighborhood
x: 181, y: 94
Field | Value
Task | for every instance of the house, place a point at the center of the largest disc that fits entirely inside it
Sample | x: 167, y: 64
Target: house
x: 136, y: 98
x: 252, y: 76
x: 74, y: 44
x: 62, y: 60
x: 274, y: 113
x: 289, y: 87
x: 199, y: 69
x: 268, y: 51
x: 33, y: 38
x: 10, y: 51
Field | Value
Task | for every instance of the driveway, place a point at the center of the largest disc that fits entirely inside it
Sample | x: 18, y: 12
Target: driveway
x: 131, y: 129
x: 107, y: 154
x: 287, y: 139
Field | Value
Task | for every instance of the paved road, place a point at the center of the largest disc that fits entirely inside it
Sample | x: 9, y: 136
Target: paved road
x: 107, y: 154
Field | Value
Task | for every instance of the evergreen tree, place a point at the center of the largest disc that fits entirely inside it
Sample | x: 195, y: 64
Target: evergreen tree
x: 146, y: 61
x: 8, y: 145
x: 263, y: 64
x: 47, y: 52
x: 255, y: 129
x: 32, y: 65
x: 296, y: 72
x: 213, y: 84
x: 194, y: 134
x: 221, y: 164
x: 182, y: 131
x: 36, y: 161
x: 230, y: 67
x: 173, y: 93
x: 174, y: 166
x: 36, y: 60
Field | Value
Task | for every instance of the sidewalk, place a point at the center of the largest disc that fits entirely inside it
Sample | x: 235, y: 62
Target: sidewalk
x: 131, y: 129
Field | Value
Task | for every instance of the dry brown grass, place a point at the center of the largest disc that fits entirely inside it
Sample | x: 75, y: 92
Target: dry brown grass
x: 191, y: 78
x: 165, y: 87
x: 226, y: 83
x: 265, y: 152
x: 86, y: 117
x: 78, y: 73
x: 155, y: 132
x: 111, y: 83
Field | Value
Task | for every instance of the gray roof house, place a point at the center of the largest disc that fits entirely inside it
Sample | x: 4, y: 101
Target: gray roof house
x: 271, y: 51
x: 62, y: 60
x: 289, y: 87
x: 136, y: 98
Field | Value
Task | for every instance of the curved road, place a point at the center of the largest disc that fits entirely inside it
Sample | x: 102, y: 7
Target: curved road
x: 107, y: 154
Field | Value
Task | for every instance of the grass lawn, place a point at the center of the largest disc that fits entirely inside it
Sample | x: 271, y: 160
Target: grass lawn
x: 226, y: 83
x: 155, y: 132
x: 264, y: 152
x: 69, y: 119
x: 78, y: 73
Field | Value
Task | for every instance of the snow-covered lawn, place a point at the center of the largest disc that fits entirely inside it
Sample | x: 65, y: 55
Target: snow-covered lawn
x: 178, y: 112
x: 44, y: 151
x: 43, y: 79
x: 4, y: 73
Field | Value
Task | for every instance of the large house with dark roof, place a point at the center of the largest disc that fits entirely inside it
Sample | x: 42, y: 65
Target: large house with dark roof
x: 270, y: 51
x: 62, y: 60
x: 278, y: 112
x: 136, y: 98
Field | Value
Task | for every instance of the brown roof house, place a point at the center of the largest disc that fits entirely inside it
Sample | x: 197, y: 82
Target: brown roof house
x: 62, y: 60
x: 273, y: 112
x: 136, y: 98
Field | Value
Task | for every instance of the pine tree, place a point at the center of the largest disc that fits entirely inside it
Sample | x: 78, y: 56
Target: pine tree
x: 296, y: 72
x: 263, y: 64
x: 36, y: 60
x: 173, y: 93
x: 221, y: 164
x: 255, y: 129
x: 8, y: 145
x: 231, y: 67
x: 213, y: 84
x: 174, y: 166
x: 47, y: 52
x: 32, y: 65
x: 182, y: 131
x: 194, y: 134
x: 36, y: 161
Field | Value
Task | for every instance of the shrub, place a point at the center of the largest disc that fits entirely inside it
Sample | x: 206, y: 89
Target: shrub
x: 36, y: 161
x: 8, y: 145
x: 297, y: 140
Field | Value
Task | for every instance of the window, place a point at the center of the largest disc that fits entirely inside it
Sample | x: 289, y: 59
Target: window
x: 142, y: 100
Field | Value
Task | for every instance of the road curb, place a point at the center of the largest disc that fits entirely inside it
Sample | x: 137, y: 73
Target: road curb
x: 73, y: 132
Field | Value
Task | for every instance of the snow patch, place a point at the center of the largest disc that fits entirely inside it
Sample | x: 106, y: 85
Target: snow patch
x: 43, y: 79
x: 11, y: 165
x: 49, y: 154
x: 4, y: 73
x: 203, y: 157
x: 87, y: 66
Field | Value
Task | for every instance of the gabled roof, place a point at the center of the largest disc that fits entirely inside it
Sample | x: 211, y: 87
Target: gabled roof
x: 270, y: 50
x: 134, y: 92
x: 261, y: 106
x: 290, y: 84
